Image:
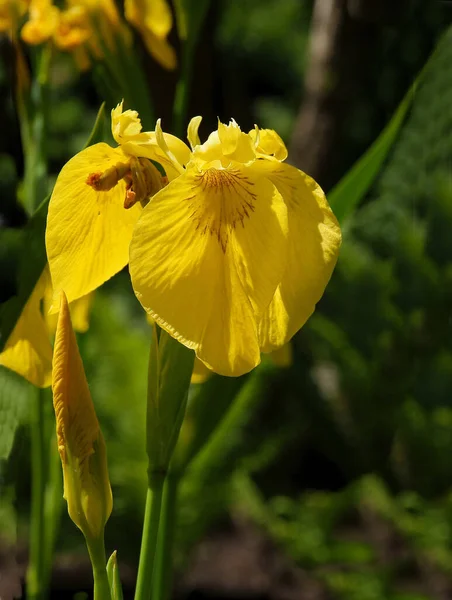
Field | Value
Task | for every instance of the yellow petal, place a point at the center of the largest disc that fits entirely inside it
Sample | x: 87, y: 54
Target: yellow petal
x: 44, y: 19
x: 28, y: 351
x: 153, y: 19
x: 314, y: 241
x: 192, y: 131
x: 205, y: 260
x: 80, y: 442
x: 88, y: 232
x: 125, y: 125
x: 269, y: 143
x: 234, y: 143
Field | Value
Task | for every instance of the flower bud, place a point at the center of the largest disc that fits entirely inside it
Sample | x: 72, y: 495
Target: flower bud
x: 80, y: 442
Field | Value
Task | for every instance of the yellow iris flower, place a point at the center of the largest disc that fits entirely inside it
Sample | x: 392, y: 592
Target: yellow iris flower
x: 153, y: 19
x: 77, y: 28
x: 233, y: 254
x: 28, y: 350
x: 10, y: 13
x: 97, y: 200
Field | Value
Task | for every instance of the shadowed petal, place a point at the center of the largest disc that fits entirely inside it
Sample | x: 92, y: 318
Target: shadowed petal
x: 314, y: 241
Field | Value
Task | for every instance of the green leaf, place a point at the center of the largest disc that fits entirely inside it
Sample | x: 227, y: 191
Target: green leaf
x: 170, y: 369
x: 113, y: 578
x: 97, y: 133
x: 14, y: 393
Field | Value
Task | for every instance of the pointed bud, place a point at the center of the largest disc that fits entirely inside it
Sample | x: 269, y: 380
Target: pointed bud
x: 80, y: 441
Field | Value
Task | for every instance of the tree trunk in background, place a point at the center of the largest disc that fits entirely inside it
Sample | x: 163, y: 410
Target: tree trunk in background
x: 342, y: 55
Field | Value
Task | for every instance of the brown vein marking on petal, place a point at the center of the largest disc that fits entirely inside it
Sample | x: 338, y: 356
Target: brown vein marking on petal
x: 226, y: 200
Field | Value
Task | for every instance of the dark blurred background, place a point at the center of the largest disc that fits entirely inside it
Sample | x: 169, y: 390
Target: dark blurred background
x: 334, y: 479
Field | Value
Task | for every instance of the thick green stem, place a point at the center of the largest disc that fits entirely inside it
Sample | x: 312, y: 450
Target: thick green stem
x: 35, y: 585
x: 96, y: 551
x: 150, y: 534
x: 163, y: 571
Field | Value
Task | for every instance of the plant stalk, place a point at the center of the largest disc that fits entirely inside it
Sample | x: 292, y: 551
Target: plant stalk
x: 150, y: 535
x: 96, y: 549
x: 35, y: 584
x: 163, y: 571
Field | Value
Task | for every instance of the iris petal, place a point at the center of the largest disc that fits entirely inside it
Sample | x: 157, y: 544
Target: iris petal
x: 314, y: 241
x: 88, y: 232
x: 205, y: 259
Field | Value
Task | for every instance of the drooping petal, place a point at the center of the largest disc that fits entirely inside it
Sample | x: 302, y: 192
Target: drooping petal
x: 88, y: 232
x: 28, y: 351
x: 314, y: 241
x: 205, y: 260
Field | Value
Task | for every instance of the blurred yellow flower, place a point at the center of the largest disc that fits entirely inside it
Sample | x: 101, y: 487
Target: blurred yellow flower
x: 80, y: 442
x: 97, y: 200
x: 231, y: 256
x: 153, y: 20
x: 28, y: 350
x: 83, y: 27
x: 10, y: 13
x: 42, y: 23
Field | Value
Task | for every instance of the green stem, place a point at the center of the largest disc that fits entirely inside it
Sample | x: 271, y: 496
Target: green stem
x: 52, y: 508
x: 96, y: 551
x: 150, y: 533
x: 34, y: 137
x: 35, y: 588
x: 163, y: 572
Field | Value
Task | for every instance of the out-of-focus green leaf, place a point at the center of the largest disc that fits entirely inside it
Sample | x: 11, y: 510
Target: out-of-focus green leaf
x: 14, y: 393
x: 97, y: 133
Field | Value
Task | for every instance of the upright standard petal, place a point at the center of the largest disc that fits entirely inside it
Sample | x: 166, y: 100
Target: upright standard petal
x: 28, y: 351
x: 313, y: 247
x: 202, y: 264
x: 88, y: 231
x: 80, y: 441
